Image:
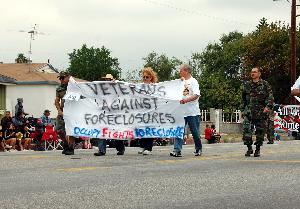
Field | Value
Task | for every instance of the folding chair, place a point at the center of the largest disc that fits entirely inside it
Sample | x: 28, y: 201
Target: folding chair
x: 59, y: 144
x: 49, y: 138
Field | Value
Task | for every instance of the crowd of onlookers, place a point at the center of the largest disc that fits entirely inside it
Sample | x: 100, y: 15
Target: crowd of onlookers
x: 18, y: 131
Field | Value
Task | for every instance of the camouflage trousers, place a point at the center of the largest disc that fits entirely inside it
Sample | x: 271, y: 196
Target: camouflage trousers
x: 270, y: 130
x: 60, y: 126
x: 248, y: 127
x: 61, y: 131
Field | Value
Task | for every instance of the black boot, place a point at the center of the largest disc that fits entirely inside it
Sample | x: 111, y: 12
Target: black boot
x: 257, y: 151
x: 65, y: 147
x: 70, y: 150
x: 249, y: 151
x: 120, y: 152
x: 99, y: 154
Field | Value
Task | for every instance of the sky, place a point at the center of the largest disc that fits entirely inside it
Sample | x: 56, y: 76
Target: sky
x: 131, y: 29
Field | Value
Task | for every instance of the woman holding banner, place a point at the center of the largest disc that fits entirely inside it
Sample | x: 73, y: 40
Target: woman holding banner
x: 149, y: 76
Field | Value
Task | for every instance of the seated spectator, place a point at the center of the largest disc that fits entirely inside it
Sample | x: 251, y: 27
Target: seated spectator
x: 6, y: 121
x: 215, y: 137
x: 3, y: 146
x: 10, y: 136
x: 46, y: 118
x: 39, y: 131
x: 19, y: 122
x: 277, y: 132
x: 26, y: 140
x: 207, y: 133
x: 277, y: 136
x: 86, y: 143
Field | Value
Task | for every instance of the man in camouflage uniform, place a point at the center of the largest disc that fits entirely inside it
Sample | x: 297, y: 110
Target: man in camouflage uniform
x: 68, y: 142
x: 270, y: 128
x: 257, y: 102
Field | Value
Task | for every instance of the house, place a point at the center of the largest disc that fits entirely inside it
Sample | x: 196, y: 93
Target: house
x: 36, y: 83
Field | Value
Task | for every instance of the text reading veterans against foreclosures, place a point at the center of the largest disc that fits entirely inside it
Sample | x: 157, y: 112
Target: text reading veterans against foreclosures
x: 118, y: 108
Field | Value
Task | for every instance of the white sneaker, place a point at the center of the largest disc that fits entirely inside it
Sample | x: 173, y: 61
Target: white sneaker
x: 8, y: 147
x: 198, y: 153
x: 141, y: 151
x: 147, y: 152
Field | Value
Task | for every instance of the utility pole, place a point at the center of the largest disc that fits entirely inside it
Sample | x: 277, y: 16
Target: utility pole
x: 293, y: 47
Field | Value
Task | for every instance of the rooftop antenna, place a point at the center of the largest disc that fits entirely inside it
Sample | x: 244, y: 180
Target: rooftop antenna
x: 33, y: 32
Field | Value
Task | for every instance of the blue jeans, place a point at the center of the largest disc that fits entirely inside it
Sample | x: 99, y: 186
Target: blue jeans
x: 120, y: 147
x: 146, y: 143
x: 194, y: 124
x: 102, y: 145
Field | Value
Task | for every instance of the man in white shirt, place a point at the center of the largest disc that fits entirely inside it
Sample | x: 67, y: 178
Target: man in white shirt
x: 191, y: 94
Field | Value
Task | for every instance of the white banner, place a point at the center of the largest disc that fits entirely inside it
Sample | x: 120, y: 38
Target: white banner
x: 120, y: 110
x: 287, y: 117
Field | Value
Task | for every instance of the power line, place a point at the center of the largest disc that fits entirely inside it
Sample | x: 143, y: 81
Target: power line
x: 220, y: 19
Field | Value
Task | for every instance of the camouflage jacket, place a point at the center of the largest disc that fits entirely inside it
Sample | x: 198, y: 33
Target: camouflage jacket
x: 256, y: 96
x: 61, y: 90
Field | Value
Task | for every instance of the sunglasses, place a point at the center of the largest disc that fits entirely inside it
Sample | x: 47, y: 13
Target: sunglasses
x: 61, y: 78
x: 146, y: 77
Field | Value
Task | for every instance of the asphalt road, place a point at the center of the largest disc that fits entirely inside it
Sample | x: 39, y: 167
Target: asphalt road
x: 221, y: 178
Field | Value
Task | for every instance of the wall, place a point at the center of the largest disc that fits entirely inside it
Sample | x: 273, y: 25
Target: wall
x: 231, y: 128
x: 222, y: 127
x: 36, y: 98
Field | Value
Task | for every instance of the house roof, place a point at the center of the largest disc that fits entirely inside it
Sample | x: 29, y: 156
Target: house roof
x: 24, y: 73
x: 6, y: 80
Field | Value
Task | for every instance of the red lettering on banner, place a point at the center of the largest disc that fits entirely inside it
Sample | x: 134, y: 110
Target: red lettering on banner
x: 121, y: 135
x: 130, y: 134
x: 115, y: 135
x: 106, y: 133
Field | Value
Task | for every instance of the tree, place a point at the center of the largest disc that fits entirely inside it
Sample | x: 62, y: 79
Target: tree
x: 93, y: 63
x: 219, y: 67
x: 269, y: 48
x: 223, y: 66
x: 21, y: 58
x: 263, y: 23
x: 164, y: 67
